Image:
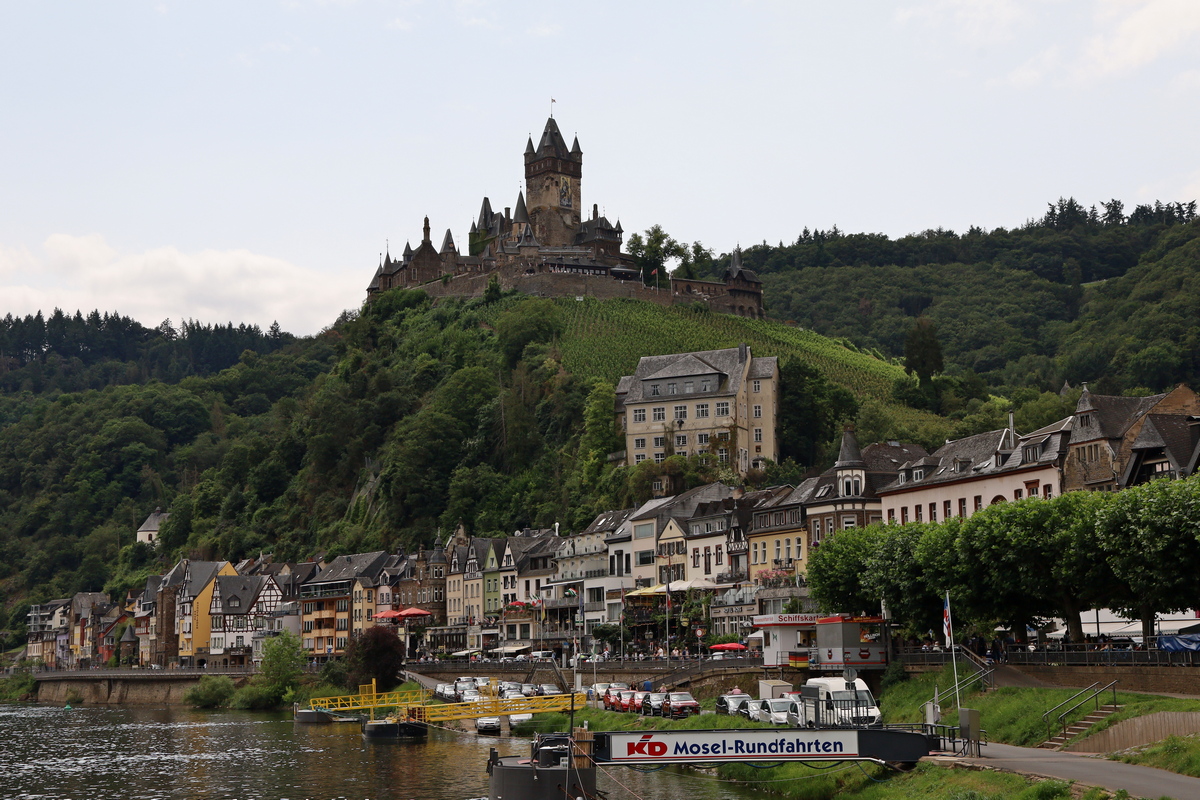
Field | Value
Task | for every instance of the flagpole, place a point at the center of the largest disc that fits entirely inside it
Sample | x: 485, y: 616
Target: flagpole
x: 953, y: 652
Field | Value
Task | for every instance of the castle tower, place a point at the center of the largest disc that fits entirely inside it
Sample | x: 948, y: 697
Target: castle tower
x: 553, y: 197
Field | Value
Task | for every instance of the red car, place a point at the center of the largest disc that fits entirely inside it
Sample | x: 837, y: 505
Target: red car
x: 678, y: 705
x: 625, y: 701
x: 638, y: 699
x: 613, y: 694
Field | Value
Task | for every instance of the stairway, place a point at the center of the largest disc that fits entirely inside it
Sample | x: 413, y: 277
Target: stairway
x: 1060, y: 741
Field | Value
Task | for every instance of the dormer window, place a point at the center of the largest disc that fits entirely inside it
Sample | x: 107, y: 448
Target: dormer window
x: 918, y: 474
x: 655, y: 390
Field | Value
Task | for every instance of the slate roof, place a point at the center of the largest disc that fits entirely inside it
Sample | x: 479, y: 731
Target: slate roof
x: 727, y: 362
x: 889, y: 457
x: 849, y: 456
x: 736, y: 270
x: 238, y: 592
x: 154, y: 521
x: 348, y: 568
x: 199, y: 573
x: 608, y: 521
x: 552, y: 145
x: 1177, y: 435
x: 1114, y: 415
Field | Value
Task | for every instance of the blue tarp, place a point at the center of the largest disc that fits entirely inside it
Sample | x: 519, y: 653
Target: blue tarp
x: 1177, y: 644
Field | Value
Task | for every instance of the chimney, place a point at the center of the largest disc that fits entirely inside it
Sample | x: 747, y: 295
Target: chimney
x: 743, y: 351
x: 595, y: 211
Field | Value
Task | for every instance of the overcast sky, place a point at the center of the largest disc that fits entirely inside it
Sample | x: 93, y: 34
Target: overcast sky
x: 246, y: 161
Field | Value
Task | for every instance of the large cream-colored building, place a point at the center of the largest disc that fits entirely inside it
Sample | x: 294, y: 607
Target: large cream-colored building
x: 720, y: 402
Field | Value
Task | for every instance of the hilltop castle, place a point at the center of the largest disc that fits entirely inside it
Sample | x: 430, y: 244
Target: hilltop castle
x: 543, y: 246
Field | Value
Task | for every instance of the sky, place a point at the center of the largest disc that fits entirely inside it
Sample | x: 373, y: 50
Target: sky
x: 248, y: 161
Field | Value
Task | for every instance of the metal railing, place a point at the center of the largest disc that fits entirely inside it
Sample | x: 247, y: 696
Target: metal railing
x: 1081, y: 697
x: 985, y: 677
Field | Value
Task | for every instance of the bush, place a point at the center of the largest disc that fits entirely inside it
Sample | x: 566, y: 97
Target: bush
x: 254, y: 697
x: 892, y: 676
x: 212, y: 691
x: 17, y: 687
x: 333, y: 672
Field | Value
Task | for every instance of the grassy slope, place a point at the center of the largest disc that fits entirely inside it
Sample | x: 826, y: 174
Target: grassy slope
x: 1012, y: 715
x: 1179, y: 754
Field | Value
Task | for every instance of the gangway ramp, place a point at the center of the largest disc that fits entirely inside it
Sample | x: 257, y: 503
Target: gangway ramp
x: 419, y: 705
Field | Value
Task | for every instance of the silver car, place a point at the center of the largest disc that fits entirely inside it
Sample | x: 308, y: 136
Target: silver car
x: 773, y: 711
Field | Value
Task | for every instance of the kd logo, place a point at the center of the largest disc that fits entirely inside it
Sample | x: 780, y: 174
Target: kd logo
x: 645, y: 747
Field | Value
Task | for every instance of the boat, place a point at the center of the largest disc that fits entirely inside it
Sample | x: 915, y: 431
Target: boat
x: 393, y: 728
x: 550, y: 772
x: 310, y: 715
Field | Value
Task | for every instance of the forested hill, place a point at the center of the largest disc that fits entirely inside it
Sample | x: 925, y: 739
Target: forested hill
x: 408, y: 418
x: 1079, y: 294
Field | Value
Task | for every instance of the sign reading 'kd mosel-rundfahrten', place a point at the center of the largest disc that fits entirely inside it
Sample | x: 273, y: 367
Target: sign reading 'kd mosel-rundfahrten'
x: 667, y: 747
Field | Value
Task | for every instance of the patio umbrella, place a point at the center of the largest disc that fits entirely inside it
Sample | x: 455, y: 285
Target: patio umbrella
x: 727, y: 646
x: 389, y: 614
x: 408, y: 613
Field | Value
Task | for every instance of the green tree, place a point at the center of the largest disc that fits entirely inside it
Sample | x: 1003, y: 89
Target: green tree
x: 811, y: 412
x: 837, y: 571
x: 1150, y: 535
x: 534, y: 320
x: 377, y: 654
x: 923, y: 352
x: 282, y: 664
x: 652, y: 252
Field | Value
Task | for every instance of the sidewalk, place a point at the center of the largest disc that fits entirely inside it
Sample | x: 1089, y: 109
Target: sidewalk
x: 1146, y: 782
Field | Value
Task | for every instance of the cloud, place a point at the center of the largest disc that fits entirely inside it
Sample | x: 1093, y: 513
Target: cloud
x: 544, y: 30
x: 85, y: 272
x: 974, y: 22
x: 1137, y: 32
x: 398, y: 24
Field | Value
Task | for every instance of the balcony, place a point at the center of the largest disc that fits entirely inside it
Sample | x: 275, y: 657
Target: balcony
x: 592, y: 607
x: 738, y: 576
x: 737, y: 547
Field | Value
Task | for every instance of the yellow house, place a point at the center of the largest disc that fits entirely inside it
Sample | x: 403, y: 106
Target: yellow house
x: 362, y: 605
x: 192, y: 618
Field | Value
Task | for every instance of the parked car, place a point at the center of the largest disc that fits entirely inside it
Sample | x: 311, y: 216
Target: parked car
x: 598, y: 689
x: 773, y: 710
x: 549, y: 689
x: 636, y: 703
x: 481, y: 681
x: 731, y: 704
x: 625, y: 701
x: 487, y: 725
x: 461, y: 687
x: 529, y: 689
x: 471, y: 696
x: 612, y: 694
x: 652, y: 705
x: 444, y: 690
x: 679, y: 704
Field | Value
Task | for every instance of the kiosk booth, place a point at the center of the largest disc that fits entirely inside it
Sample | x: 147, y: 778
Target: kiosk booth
x: 845, y: 641
x: 786, y: 638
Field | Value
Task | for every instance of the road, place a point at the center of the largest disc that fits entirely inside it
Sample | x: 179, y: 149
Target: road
x: 1112, y: 775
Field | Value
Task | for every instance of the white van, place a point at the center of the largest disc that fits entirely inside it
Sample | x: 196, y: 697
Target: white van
x: 542, y: 655
x: 834, y: 702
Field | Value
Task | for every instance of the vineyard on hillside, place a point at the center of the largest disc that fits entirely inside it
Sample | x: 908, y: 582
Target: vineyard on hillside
x: 607, y: 337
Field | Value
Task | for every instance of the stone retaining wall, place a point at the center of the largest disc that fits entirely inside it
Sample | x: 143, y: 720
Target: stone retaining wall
x: 1140, y: 731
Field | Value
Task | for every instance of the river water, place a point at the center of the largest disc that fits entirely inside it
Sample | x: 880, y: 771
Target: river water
x: 99, y: 753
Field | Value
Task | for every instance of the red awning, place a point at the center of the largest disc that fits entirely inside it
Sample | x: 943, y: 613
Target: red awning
x: 727, y: 646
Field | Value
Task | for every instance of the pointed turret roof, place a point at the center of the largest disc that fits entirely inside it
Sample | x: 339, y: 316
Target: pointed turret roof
x: 448, y: 242
x: 575, y: 151
x: 407, y: 251
x: 485, y: 213
x: 474, y: 229
x: 529, y: 147
x: 849, y: 456
x: 520, y: 215
x: 551, y: 145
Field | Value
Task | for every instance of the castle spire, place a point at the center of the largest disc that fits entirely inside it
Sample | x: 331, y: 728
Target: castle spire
x: 520, y: 215
x: 426, y: 239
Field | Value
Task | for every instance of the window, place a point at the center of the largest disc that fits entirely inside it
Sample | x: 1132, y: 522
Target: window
x: 723, y: 455
x: 659, y: 414
x: 705, y: 384
x: 978, y: 502
x: 680, y: 412
x: 787, y: 549
x: 962, y: 506
x: 639, y: 415
x: 655, y: 390
x: 645, y: 558
x: 918, y: 510
x: 671, y: 389
x: 695, y: 558
x: 756, y: 385
x: 903, y: 515
x: 343, y: 623
x: 639, y: 458
x: 947, y: 510
x: 681, y: 440
x: 701, y: 410
x: 639, y: 443
x: 757, y: 412
x: 777, y: 552
x: 891, y: 515
x: 723, y: 409
x: 848, y: 523
x: 718, y: 553
x: 644, y: 530
x: 933, y: 512
x: 1046, y: 491
x: 689, y: 387
x: 758, y: 434
x: 702, y: 438
x: 660, y: 458
x: 660, y: 441
x: 1018, y: 494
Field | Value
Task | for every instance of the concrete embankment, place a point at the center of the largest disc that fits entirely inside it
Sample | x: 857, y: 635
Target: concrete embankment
x: 164, y: 689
